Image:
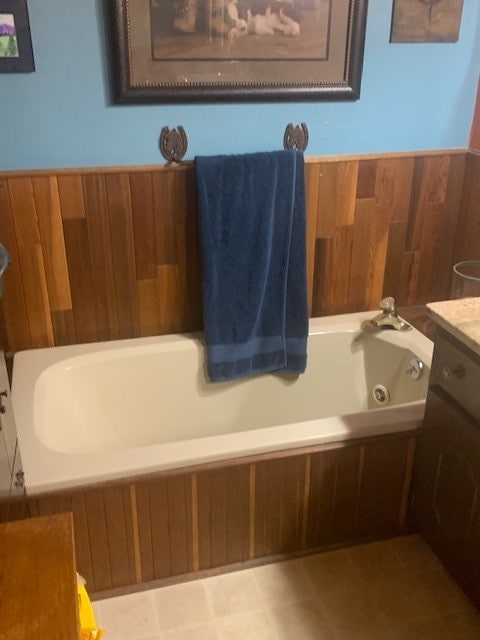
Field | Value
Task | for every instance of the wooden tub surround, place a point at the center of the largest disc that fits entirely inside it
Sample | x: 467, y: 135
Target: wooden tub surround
x: 176, y: 524
x: 101, y: 254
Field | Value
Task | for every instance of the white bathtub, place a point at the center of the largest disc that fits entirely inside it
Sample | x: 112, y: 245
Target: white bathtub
x: 93, y: 412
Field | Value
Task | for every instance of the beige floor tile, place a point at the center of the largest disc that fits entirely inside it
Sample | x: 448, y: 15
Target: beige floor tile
x: 129, y: 617
x: 461, y: 625
x: 283, y: 583
x: 390, y: 590
x: 376, y: 560
x: 352, y: 615
x: 233, y: 593
x: 465, y: 622
x: 301, y: 621
x: 442, y: 594
x: 399, y: 597
x: 415, y: 553
x: 204, y: 631
x: 182, y: 605
x: 332, y: 572
x: 255, y: 625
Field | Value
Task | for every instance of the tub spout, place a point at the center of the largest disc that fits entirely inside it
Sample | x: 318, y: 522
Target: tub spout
x: 389, y: 319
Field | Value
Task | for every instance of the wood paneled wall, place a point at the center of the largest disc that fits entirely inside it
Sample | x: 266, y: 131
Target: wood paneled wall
x: 238, y: 511
x: 113, y: 253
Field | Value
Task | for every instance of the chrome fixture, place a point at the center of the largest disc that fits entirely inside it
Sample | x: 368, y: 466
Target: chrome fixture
x: 415, y: 368
x: 389, y: 319
x: 4, y: 263
x: 20, y: 480
x: 3, y: 394
x: 381, y: 394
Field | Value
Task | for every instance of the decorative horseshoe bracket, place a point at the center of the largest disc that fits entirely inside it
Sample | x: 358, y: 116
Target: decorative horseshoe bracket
x: 173, y: 144
x: 296, y: 138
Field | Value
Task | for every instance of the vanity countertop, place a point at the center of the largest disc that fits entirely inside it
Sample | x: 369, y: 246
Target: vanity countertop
x: 461, y: 318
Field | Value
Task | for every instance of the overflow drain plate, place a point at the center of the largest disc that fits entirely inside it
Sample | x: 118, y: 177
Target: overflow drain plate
x: 380, y: 394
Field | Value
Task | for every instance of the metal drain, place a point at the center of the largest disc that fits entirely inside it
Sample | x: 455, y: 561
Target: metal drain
x: 380, y: 394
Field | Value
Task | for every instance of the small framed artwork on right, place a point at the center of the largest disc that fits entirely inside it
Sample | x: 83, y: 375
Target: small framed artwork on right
x: 426, y: 20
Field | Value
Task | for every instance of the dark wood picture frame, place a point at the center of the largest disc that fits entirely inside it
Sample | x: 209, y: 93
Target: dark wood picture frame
x: 22, y: 62
x: 166, y: 68
x: 426, y: 21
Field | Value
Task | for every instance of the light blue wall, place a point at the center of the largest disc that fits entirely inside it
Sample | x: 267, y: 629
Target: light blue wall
x: 414, y: 97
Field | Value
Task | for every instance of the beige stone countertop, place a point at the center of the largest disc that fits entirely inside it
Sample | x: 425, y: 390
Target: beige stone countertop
x: 459, y: 317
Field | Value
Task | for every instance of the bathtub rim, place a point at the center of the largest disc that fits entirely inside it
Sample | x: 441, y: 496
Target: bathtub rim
x: 61, y: 470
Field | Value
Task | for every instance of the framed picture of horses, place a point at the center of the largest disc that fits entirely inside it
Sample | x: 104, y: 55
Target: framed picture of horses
x: 181, y: 51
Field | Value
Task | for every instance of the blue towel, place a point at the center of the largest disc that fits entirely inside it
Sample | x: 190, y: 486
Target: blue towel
x: 252, y: 227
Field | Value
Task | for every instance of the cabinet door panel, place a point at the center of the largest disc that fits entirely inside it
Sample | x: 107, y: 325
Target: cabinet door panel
x: 447, y: 489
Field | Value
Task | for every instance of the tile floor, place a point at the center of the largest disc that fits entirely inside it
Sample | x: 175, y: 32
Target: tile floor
x: 391, y: 590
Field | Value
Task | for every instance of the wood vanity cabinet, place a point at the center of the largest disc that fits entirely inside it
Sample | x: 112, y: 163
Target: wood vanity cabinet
x: 38, y: 583
x: 446, y: 482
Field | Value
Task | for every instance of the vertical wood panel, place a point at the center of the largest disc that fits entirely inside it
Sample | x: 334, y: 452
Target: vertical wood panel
x: 381, y: 491
x: 357, y: 286
x: 223, y: 511
x: 123, y: 253
x: 396, y: 186
x: 164, y: 191
x: 312, y: 179
x: 444, y: 258
x: 24, y: 212
x: 98, y: 537
x: 70, y: 191
x: 147, y: 307
x: 118, y: 509
x: 393, y: 285
x: 334, y: 491
x: 280, y: 487
x: 47, y: 203
x: 63, y: 326
x: 17, y: 331
x: 346, y: 190
x: 166, y: 294
x: 98, y: 229
x: 467, y: 246
x: 327, y: 200
x: 36, y: 295
x: 367, y: 177
x: 164, y: 508
x: 180, y: 523
x: 340, y: 273
x: 189, y: 276
x: 78, y: 258
x: 143, y: 223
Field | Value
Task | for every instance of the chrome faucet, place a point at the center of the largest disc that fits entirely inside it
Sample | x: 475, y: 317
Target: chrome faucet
x: 389, y: 319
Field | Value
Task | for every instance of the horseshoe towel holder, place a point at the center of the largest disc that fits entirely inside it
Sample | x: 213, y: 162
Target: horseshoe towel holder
x: 173, y: 143
x: 296, y: 138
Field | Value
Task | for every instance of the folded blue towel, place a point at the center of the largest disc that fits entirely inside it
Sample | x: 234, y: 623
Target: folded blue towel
x: 252, y: 227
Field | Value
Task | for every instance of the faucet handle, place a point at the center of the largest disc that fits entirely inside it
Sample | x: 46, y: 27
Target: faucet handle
x: 388, y: 305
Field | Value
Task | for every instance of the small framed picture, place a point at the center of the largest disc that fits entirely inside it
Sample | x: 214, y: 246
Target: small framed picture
x: 16, y: 54
x: 426, y: 20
